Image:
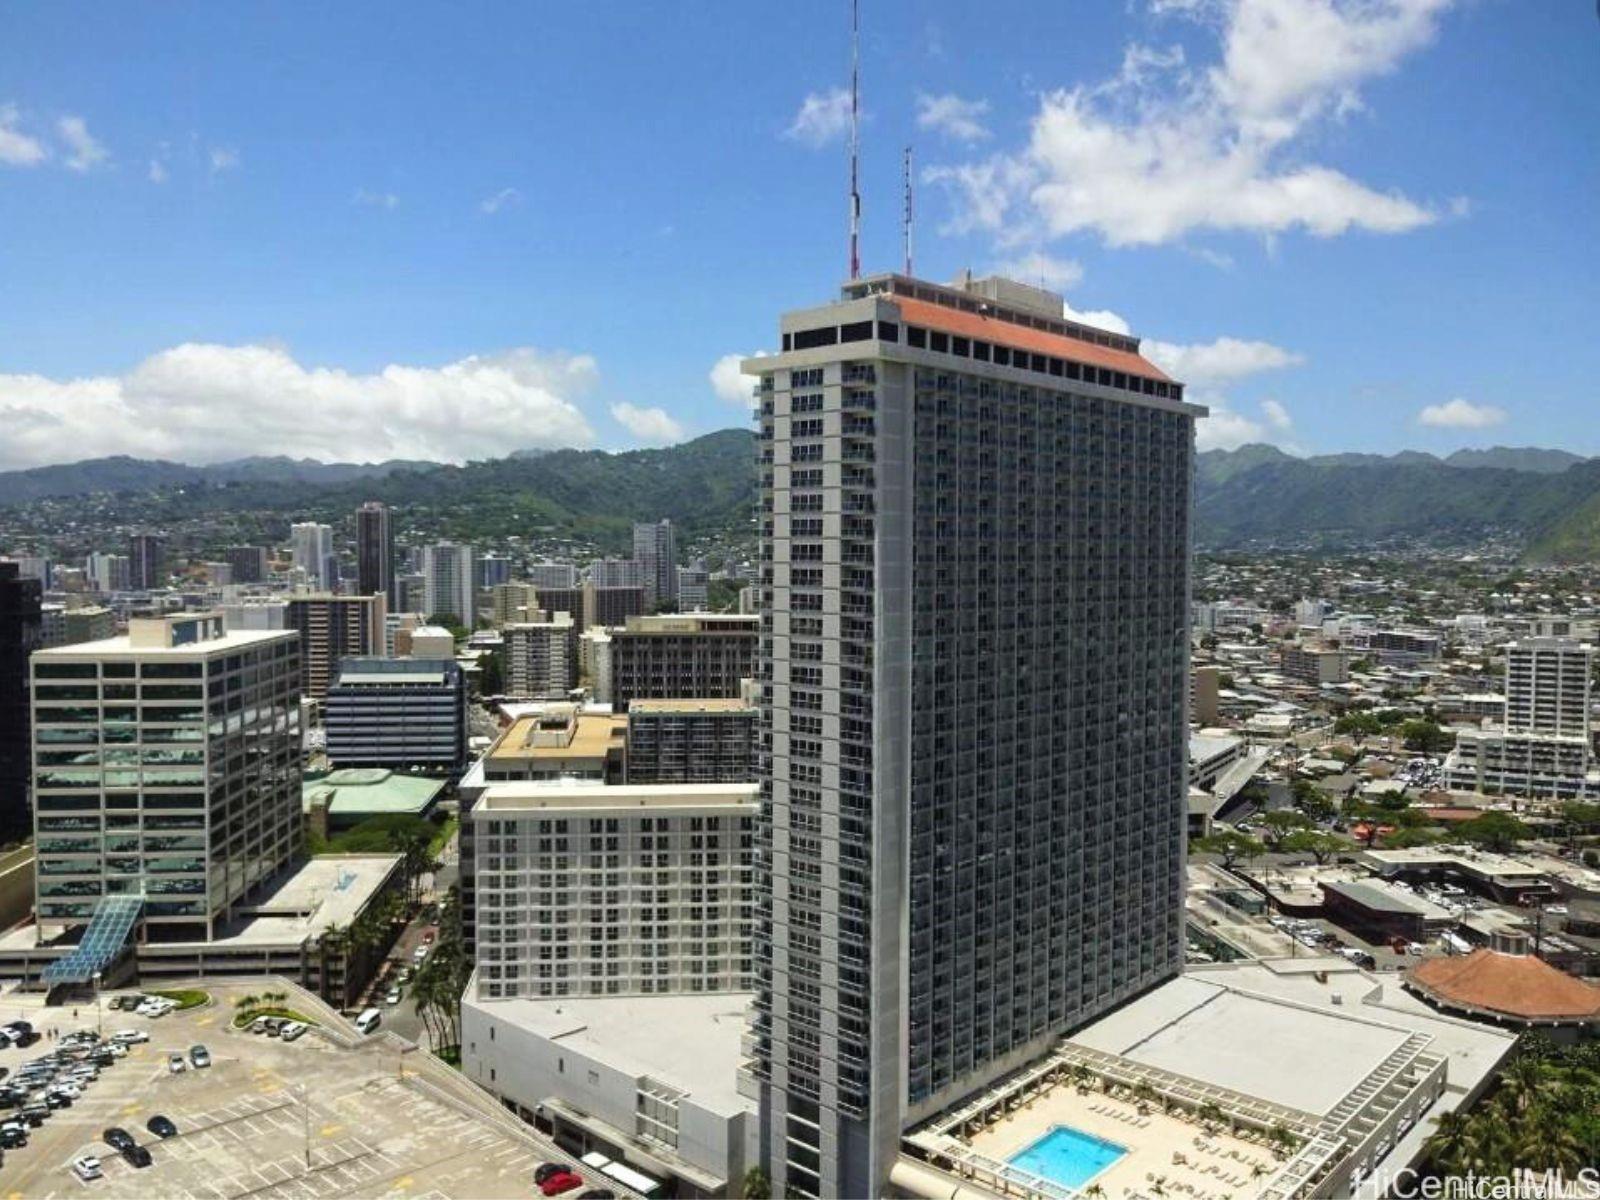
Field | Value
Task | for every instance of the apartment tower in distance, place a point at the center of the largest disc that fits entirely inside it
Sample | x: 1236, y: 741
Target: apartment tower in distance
x: 147, y: 562
x: 375, y: 553
x: 974, y: 799
x: 655, y: 549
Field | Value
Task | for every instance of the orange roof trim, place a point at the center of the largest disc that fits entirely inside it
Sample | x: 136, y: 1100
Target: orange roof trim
x: 1518, y: 985
x: 1022, y: 337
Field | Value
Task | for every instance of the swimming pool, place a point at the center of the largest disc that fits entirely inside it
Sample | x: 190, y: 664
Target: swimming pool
x: 1068, y: 1156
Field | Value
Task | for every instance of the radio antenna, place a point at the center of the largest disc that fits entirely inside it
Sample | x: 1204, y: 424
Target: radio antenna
x: 855, y: 139
x: 909, y: 212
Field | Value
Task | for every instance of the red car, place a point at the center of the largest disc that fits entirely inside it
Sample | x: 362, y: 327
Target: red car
x: 561, y: 1181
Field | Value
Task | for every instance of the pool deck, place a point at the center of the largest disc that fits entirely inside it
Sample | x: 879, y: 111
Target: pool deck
x: 1218, y: 1166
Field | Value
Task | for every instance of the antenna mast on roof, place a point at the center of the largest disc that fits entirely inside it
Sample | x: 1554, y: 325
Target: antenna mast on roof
x: 855, y: 138
x: 908, y: 211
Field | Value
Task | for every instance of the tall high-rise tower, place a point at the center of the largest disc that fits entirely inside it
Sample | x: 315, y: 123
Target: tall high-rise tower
x: 450, y: 582
x: 147, y: 561
x: 655, y: 549
x: 311, y: 545
x: 375, y: 552
x: 973, y: 818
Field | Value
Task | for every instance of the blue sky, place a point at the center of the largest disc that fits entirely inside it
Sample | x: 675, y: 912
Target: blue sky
x: 448, y: 231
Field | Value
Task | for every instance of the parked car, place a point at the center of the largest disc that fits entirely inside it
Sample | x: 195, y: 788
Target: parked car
x: 199, y: 1056
x: 420, y: 953
x: 293, y: 1030
x: 12, y: 1135
x: 392, y: 998
x: 544, y: 1170
x: 86, y: 1167
x: 130, y: 1037
x: 175, y: 1063
x: 137, y: 1156
x: 161, y: 1126
x: 597, y: 1194
x: 117, y: 1138
x: 562, y: 1181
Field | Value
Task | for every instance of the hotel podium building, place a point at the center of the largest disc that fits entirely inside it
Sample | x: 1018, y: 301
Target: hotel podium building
x: 166, y: 766
x: 974, y: 798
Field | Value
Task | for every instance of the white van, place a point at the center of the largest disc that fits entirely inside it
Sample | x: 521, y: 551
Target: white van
x: 368, y: 1021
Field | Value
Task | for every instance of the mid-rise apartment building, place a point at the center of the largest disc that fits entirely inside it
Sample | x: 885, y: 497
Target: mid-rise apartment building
x: 669, y: 657
x: 540, y: 658
x: 552, y: 574
x: 609, y: 607
x: 166, y: 765
x: 1315, y: 665
x: 1544, y: 747
x: 584, y: 889
x: 975, y: 811
x: 107, y: 573
x: 397, y: 712
x: 333, y: 628
x: 514, y: 603
x: 691, y: 741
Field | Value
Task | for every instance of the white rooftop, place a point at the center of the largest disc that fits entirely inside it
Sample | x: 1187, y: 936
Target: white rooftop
x: 690, y: 1042
x: 1248, y: 1043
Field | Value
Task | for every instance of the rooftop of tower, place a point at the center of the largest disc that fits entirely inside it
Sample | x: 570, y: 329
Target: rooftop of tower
x: 994, y: 298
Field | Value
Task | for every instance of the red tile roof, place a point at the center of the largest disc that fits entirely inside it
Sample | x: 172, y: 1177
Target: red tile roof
x: 1022, y: 337
x: 1518, y: 985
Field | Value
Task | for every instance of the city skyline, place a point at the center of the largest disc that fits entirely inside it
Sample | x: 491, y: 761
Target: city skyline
x: 1373, y: 209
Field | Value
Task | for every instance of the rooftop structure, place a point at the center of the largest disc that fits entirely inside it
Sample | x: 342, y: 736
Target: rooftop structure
x: 560, y: 743
x: 1513, y: 988
x: 353, y: 794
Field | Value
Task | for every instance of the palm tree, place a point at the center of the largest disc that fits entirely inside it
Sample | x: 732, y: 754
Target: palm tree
x: 1453, y: 1143
x: 1522, y: 1083
x: 756, y: 1185
x: 1211, y: 1115
x: 1095, y: 1190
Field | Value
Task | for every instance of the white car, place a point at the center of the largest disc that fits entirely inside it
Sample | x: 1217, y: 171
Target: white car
x: 393, y: 997
x: 130, y: 1037
x: 176, y: 1064
x: 86, y: 1167
x: 420, y: 953
x: 293, y: 1030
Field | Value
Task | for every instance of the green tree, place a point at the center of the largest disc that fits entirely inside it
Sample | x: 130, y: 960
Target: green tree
x: 1319, y: 844
x: 1311, y: 800
x: 1276, y: 826
x: 1426, y: 737
x: 1496, y: 831
x: 1229, y: 846
x: 756, y: 1185
x: 1359, y: 725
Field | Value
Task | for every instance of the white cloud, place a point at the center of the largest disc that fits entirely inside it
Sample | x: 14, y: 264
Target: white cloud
x: 651, y: 425
x: 17, y: 149
x: 207, y: 403
x: 1100, y: 318
x: 85, y: 151
x: 1163, y: 149
x: 504, y: 198
x: 1224, y: 429
x: 823, y: 117
x: 1277, y: 415
x: 1461, y: 414
x: 732, y: 385
x: 957, y: 119
x: 157, y: 172
x: 223, y: 159
x: 1219, y: 363
x: 1042, y: 269
x: 365, y: 199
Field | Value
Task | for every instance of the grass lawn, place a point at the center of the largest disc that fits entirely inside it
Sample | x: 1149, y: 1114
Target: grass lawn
x: 184, y: 997
x: 245, y: 1015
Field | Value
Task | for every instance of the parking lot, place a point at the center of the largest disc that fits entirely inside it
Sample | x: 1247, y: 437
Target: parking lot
x: 305, y: 1120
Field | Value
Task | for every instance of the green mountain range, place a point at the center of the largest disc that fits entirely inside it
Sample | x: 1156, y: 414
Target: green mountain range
x: 1547, y: 501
